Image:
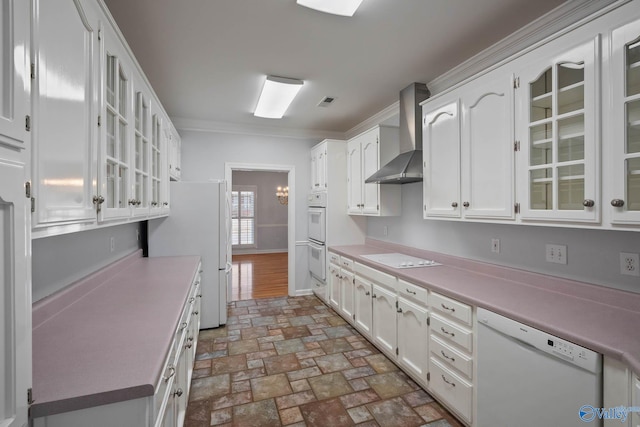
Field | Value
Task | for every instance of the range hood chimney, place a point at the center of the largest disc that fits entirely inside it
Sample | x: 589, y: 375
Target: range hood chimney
x: 407, y: 166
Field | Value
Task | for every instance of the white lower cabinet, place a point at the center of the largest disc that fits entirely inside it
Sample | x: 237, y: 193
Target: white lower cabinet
x: 620, y: 388
x: 347, y: 295
x: 456, y: 392
x: 384, y: 319
x: 363, y: 309
x: 333, y: 284
x: 412, y: 338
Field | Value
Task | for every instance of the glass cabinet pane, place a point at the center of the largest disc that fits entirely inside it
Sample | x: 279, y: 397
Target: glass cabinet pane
x: 571, y: 187
x: 633, y: 184
x: 633, y: 68
x: 541, y: 188
x: 541, y: 144
x: 541, y: 101
x: 571, y: 139
x: 570, y: 87
x: 633, y: 127
x: 111, y: 80
x: 122, y: 196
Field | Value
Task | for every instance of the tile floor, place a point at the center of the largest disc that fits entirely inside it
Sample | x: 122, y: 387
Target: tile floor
x: 295, y: 362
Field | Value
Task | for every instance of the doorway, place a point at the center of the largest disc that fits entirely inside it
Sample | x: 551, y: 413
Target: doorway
x: 263, y: 250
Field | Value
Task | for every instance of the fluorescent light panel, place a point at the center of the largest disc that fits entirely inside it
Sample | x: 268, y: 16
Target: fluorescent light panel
x: 336, y: 7
x: 277, y: 94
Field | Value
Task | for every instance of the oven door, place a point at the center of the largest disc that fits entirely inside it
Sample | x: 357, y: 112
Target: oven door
x: 317, y: 224
x: 317, y: 260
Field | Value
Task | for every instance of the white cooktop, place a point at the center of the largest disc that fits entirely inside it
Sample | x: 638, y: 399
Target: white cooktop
x: 397, y: 260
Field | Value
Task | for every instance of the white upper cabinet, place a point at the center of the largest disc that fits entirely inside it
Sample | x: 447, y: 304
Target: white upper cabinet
x: 142, y: 141
x: 441, y: 151
x: 175, y: 147
x: 487, y: 148
x: 116, y: 131
x: 159, y: 172
x: 319, y: 167
x: 14, y: 76
x: 365, y: 154
x: 556, y: 124
x: 625, y: 122
x: 64, y: 121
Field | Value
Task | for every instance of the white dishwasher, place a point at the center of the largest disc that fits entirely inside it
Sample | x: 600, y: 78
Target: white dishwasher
x: 529, y: 378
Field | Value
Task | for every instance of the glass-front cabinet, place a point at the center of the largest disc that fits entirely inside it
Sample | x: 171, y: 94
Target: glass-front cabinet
x: 556, y: 130
x: 625, y: 120
x: 114, y: 165
x: 141, y: 154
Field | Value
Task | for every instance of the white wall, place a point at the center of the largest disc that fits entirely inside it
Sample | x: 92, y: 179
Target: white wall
x: 593, y: 255
x: 271, y: 215
x: 204, y: 155
x: 61, y: 260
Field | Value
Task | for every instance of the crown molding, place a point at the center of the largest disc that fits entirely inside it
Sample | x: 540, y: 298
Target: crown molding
x: 556, y: 22
x: 252, y: 129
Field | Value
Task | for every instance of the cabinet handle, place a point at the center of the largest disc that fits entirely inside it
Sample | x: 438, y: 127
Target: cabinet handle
x: 190, y: 339
x: 465, y: 204
x: 184, y: 325
x: 188, y: 345
x: 154, y: 204
x: 410, y: 291
x: 451, y: 309
x: 138, y: 202
x: 588, y: 203
x: 192, y: 299
x: 374, y: 296
x: 178, y: 392
x: 617, y: 203
x: 172, y: 372
x: 399, y: 310
x: 195, y: 313
x: 453, y: 359
x: 454, y: 204
x: 444, y: 331
x: 367, y: 293
x: 447, y: 381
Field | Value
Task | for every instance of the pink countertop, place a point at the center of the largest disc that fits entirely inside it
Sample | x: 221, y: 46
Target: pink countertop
x: 603, y: 319
x: 105, y: 338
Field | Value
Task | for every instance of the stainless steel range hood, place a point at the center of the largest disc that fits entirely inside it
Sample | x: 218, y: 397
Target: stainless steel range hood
x: 407, y: 166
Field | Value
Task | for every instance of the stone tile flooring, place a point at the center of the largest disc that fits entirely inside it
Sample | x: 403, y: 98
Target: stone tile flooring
x: 295, y: 362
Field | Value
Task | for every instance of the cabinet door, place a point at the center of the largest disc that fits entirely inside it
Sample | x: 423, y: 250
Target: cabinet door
x: 15, y: 297
x: 141, y: 156
x: 557, y: 125
x: 384, y: 319
x: 314, y: 170
x: 625, y: 120
x: 116, y: 133
x: 14, y: 80
x: 370, y: 165
x: 354, y: 177
x: 157, y: 174
x: 487, y: 148
x: 363, y: 306
x: 412, y: 338
x: 65, y: 116
x: 347, y: 295
x: 321, y: 170
x: 441, y: 150
x: 334, y: 279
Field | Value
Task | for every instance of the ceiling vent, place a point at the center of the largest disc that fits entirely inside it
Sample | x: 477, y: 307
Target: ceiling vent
x: 326, y: 101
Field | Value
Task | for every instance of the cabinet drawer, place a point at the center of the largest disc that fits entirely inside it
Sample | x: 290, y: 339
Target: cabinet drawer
x: 451, y: 308
x: 346, y: 263
x: 451, y: 332
x: 451, y: 388
x: 450, y: 356
x: 377, y: 276
x: 411, y: 291
x: 334, y: 258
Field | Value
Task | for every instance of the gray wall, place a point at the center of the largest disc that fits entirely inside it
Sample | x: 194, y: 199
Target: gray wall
x: 271, y: 216
x: 593, y: 255
x: 59, y: 261
x: 204, y: 155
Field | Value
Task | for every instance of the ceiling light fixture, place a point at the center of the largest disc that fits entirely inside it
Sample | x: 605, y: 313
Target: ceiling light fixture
x: 277, y: 94
x: 335, y: 7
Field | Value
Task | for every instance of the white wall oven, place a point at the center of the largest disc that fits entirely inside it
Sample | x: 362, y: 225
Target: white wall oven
x: 317, y: 229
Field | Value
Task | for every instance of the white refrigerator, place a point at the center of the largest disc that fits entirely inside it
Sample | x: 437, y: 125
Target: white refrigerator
x: 199, y: 224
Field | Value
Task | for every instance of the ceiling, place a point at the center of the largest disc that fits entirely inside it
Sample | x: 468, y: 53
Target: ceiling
x: 207, y: 59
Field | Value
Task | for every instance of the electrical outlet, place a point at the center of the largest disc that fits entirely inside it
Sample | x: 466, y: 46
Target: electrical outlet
x: 112, y: 244
x: 556, y: 254
x: 629, y: 264
x: 495, y: 246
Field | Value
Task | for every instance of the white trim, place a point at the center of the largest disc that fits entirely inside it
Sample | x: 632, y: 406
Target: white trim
x: 373, y: 121
x: 242, y: 251
x: 252, y: 129
x: 304, y: 292
x: 229, y: 167
x: 272, y: 225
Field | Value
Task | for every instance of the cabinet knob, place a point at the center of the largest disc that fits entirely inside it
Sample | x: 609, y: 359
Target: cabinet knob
x: 465, y: 204
x: 454, y: 204
x: 374, y: 296
x: 367, y: 293
x: 131, y: 202
x: 172, y: 372
x: 178, y: 392
x: 98, y: 200
x: 138, y: 202
x: 165, y: 204
x: 588, y: 203
x: 154, y: 204
x: 617, y: 203
x: 188, y: 345
x: 399, y: 310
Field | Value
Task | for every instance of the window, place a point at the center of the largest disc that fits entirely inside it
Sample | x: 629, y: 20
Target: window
x: 243, y: 216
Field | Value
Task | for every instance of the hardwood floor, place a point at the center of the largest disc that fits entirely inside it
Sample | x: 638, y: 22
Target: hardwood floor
x: 259, y: 276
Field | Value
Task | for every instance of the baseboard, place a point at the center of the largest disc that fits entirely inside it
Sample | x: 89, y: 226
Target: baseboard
x: 257, y: 251
x: 303, y: 292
